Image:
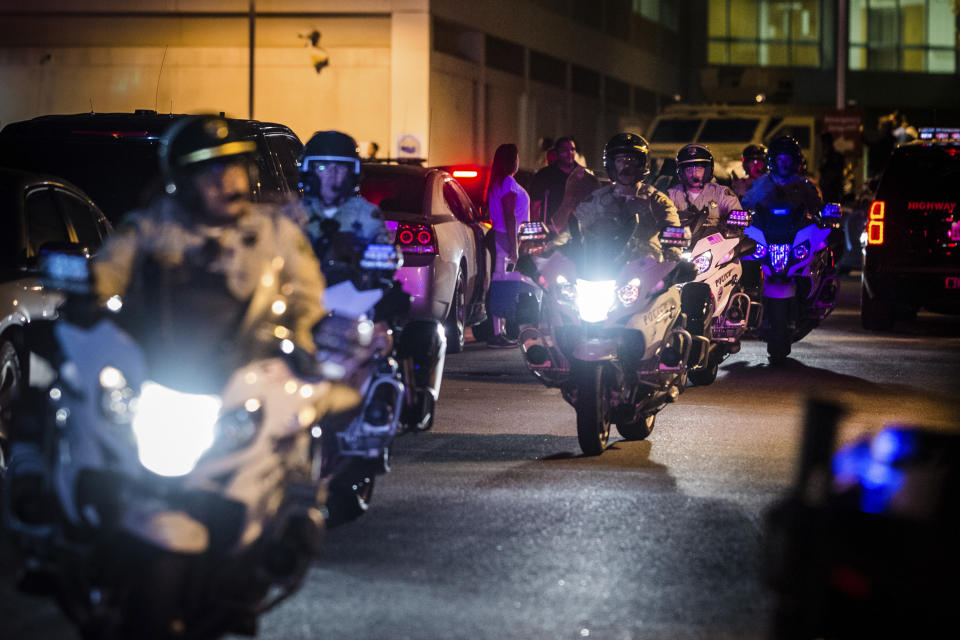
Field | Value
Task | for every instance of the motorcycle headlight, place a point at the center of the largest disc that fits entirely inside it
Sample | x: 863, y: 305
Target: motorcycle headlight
x: 594, y: 299
x: 702, y: 261
x: 629, y: 293
x: 173, y: 429
x: 801, y: 251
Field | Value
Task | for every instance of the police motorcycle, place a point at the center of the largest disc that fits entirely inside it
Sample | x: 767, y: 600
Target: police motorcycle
x: 797, y: 257
x: 162, y: 492
x: 716, y: 251
x: 611, y: 333
x: 399, y: 381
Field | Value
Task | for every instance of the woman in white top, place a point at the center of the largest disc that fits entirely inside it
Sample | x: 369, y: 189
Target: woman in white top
x: 509, y: 206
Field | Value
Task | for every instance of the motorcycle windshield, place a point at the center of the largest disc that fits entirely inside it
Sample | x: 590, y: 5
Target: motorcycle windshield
x: 603, y: 249
x: 780, y: 221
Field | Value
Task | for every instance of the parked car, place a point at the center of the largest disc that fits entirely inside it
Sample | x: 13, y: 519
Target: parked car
x: 37, y: 213
x: 113, y: 156
x: 446, y: 267
x: 912, y: 252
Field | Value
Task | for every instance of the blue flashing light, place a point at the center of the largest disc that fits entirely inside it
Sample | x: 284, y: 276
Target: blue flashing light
x: 780, y: 212
x: 779, y: 256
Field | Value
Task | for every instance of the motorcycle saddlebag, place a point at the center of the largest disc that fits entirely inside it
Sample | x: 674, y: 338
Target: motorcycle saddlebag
x: 514, y: 298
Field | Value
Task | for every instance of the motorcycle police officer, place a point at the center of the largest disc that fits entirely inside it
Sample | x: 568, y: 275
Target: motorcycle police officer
x: 202, y: 246
x: 625, y: 160
x: 696, y: 196
x: 785, y: 182
x: 754, y: 163
x: 330, y: 174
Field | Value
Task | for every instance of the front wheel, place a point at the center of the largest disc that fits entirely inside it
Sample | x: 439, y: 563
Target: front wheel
x: 593, y: 424
x: 708, y: 373
x: 638, y: 430
x: 777, y: 313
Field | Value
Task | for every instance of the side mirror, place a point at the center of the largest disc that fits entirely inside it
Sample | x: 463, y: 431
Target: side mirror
x: 675, y: 237
x: 739, y: 218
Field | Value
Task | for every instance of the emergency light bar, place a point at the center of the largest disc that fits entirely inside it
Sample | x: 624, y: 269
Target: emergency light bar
x: 940, y: 134
x: 739, y: 218
x: 831, y: 210
x: 381, y: 256
x: 675, y: 236
x: 532, y: 231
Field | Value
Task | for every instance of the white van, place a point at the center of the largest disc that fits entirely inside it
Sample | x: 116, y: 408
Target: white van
x: 725, y: 131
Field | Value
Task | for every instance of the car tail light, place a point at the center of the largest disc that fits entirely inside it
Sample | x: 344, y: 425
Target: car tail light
x: 465, y: 173
x: 875, y: 222
x: 416, y: 238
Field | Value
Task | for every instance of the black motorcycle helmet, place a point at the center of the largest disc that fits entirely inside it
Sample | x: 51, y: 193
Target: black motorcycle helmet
x: 693, y: 154
x: 626, y: 143
x: 326, y: 147
x: 196, y: 141
x: 786, y: 145
x: 753, y: 152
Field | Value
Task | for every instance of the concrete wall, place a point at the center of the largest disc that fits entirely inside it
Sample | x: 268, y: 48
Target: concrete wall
x: 61, y: 57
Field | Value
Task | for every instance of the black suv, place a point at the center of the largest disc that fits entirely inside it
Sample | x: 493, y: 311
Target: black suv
x: 912, y: 256
x: 113, y: 156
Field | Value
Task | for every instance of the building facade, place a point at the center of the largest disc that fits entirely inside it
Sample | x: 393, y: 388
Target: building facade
x: 442, y: 79
x: 450, y: 80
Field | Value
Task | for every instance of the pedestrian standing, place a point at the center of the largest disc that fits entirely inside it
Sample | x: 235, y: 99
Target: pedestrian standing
x: 509, y: 206
x: 550, y: 183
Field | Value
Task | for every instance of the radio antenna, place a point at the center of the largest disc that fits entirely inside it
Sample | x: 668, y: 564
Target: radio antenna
x: 156, y: 94
x: 91, y: 105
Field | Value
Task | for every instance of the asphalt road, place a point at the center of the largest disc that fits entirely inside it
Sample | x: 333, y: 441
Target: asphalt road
x: 493, y: 526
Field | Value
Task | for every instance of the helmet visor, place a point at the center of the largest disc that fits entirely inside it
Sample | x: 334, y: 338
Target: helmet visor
x: 315, y: 164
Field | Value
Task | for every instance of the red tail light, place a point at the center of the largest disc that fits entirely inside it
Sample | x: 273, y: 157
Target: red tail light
x: 465, y: 173
x: 875, y: 222
x: 416, y: 238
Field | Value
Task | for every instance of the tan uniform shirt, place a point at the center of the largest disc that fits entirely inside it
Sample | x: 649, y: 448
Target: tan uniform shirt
x: 654, y: 208
x: 259, y: 258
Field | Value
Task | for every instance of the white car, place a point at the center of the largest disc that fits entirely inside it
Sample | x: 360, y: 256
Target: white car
x: 446, y: 265
x: 39, y: 213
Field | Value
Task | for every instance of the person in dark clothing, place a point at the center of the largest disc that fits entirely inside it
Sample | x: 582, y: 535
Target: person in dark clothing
x: 550, y: 183
x: 831, y: 170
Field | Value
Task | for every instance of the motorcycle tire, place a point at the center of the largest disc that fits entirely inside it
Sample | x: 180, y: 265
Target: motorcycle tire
x: 593, y: 423
x: 638, y: 430
x: 777, y: 313
x: 706, y: 375
x: 345, y: 504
